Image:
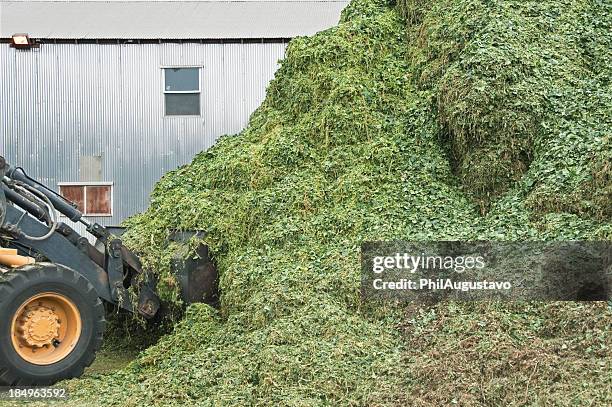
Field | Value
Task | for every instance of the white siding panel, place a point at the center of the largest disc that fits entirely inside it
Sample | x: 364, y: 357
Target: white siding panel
x: 63, y: 101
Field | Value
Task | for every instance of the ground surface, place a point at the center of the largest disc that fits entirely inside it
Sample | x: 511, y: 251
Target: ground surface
x: 109, y: 360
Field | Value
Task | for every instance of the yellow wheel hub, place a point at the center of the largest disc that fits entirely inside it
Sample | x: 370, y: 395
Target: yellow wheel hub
x: 46, y: 328
x: 39, y: 326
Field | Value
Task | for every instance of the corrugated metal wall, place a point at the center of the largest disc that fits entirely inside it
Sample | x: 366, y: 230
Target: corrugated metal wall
x: 64, y: 101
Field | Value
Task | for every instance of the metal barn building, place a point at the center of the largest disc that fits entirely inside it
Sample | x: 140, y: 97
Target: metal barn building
x: 106, y: 97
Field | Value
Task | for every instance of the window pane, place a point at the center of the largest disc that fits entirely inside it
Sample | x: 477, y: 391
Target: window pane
x: 99, y: 200
x: 182, y: 79
x: 74, y: 194
x: 182, y: 104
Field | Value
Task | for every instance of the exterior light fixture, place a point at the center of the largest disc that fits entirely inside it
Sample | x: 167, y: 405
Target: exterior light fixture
x: 22, y: 41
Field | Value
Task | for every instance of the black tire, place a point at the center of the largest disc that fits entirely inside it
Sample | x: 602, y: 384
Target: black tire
x: 17, y: 286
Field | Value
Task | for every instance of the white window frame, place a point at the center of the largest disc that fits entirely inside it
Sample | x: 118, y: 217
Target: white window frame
x: 164, y: 91
x: 92, y: 184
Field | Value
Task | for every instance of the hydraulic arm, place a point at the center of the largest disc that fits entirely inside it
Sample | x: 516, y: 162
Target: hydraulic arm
x: 31, y: 226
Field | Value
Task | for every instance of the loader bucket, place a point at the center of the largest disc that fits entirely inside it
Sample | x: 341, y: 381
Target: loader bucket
x: 196, y: 274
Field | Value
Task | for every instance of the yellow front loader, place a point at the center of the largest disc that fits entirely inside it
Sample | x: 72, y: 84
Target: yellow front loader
x: 54, y: 283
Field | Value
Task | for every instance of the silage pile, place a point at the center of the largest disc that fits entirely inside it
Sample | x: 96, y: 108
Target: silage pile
x: 433, y: 120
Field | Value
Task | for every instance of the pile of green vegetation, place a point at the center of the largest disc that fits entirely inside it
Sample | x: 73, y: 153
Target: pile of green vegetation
x: 453, y: 119
x: 492, y: 354
x: 521, y: 90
